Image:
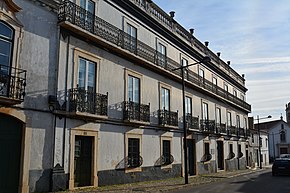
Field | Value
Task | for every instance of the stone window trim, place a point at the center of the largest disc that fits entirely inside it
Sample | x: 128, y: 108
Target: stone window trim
x: 136, y: 136
x: 162, y: 138
x: 127, y: 73
x: 79, y: 53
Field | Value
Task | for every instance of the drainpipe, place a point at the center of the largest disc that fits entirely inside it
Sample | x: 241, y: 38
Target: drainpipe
x: 65, y: 97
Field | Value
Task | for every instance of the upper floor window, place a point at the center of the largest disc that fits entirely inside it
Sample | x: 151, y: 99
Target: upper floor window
x: 184, y: 62
x: 161, y: 48
x: 133, y: 89
x: 201, y: 75
x: 242, y: 97
x: 88, y: 5
x: 6, y: 42
x: 87, y: 74
x: 218, y: 115
x: 188, y: 105
x: 165, y: 99
x: 132, y: 32
x: 229, y: 119
x: 245, y: 123
x: 226, y: 88
x: 235, y: 93
x: 282, y: 136
x: 238, y: 121
x: 204, y: 111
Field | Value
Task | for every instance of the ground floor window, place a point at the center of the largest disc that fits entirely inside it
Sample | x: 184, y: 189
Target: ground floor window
x: 133, y: 152
x: 166, y: 153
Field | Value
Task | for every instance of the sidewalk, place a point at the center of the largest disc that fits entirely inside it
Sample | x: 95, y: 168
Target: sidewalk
x: 167, y: 184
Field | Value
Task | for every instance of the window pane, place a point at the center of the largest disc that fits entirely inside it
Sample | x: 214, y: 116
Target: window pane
x: 91, y: 75
x: 205, y: 111
x: 165, y: 99
x: 184, y: 62
x: 218, y: 115
x: 188, y: 105
x: 82, y: 73
x: 6, y: 31
x: 91, y: 7
x: 229, y: 119
x: 130, y: 88
x: 136, y: 90
x: 5, y: 52
x: 83, y: 4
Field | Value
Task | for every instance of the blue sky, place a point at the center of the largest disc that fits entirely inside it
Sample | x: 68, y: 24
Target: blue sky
x: 254, y: 35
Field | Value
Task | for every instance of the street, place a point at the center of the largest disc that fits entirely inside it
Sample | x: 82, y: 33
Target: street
x: 259, y: 182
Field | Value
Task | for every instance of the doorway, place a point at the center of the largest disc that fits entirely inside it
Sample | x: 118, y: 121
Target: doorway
x: 83, y: 161
x: 11, y: 130
x: 220, y: 155
x: 191, y: 157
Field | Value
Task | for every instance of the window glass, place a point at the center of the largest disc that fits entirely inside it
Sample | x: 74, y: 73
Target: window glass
x: 218, y: 115
x: 165, y: 99
x: 133, y: 152
x: 166, y: 151
x: 6, y: 40
x: 133, y: 89
x: 204, y: 111
x: 188, y: 104
x: 226, y: 88
x: 214, y: 81
x: 229, y: 119
x: 238, y: 121
x: 86, y: 74
x: 206, y: 149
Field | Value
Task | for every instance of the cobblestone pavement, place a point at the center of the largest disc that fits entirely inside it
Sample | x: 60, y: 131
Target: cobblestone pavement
x: 159, y: 186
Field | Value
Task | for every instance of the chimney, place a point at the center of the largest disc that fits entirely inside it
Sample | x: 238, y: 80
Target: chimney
x: 206, y: 43
x: 172, y: 14
x: 218, y: 54
x: 191, y: 31
x: 243, y: 75
x: 229, y: 62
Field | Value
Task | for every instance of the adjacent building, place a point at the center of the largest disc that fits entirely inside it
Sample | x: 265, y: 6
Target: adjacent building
x: 89, y: 97
x: 278, y: 136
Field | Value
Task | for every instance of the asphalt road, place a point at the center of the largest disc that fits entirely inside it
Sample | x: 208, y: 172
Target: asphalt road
x: 258, y: 182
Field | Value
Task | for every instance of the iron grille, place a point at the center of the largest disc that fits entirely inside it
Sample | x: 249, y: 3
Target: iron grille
x: 136, y: 111
x: 12, y: 82
x: 87, y: 101
x: 192, y: 121
x: 168, y: 118
x: 207, y: 126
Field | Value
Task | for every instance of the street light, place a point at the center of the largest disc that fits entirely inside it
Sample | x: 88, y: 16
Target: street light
x: 260, y: 154
x: 205, y: 59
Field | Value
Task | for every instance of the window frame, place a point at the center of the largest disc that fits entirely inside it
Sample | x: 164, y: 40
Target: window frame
x: 10, y: 41
x: 79, y: 53
x: 163, y: 86
x: 133, y: 136
x: 162, y: 139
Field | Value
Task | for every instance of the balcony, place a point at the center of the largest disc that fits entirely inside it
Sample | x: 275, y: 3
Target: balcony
x: 87, y: 102
x: 136, y: 112
x: 207, y: 126
x: 241, y: 132
x: 82, y: 22
x: 12, y: 85
x: 221, y: 128
x: 232, y: 130
x: 168, y: 118
x: 192, y: 122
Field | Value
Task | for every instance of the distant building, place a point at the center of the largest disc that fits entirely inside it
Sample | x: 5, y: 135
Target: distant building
x: 279, y: 135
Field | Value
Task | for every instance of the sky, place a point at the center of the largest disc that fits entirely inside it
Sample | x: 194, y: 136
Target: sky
x: 254, y: 35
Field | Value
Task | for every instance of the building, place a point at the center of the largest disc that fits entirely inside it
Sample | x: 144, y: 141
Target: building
x: 88, y: 97
x: 278, y: 136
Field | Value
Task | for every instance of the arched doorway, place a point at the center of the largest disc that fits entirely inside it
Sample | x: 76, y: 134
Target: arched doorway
x: 11, y: 130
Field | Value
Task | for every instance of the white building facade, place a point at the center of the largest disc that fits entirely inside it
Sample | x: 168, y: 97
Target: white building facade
x: 99, y: 104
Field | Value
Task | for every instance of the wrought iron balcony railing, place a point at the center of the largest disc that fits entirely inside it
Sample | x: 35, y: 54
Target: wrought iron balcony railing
x: 133, y: 161
x: 241, y: 132
x: 74, y: 14
x: 136, y: 111
x: 12, y: 82
x: 232, y: 130
x: 166, y: 160
x: 207, y: 126
x: 168, y: 118
x: 192, y: 122
x: 221, y: 128
x: 87, y: 101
